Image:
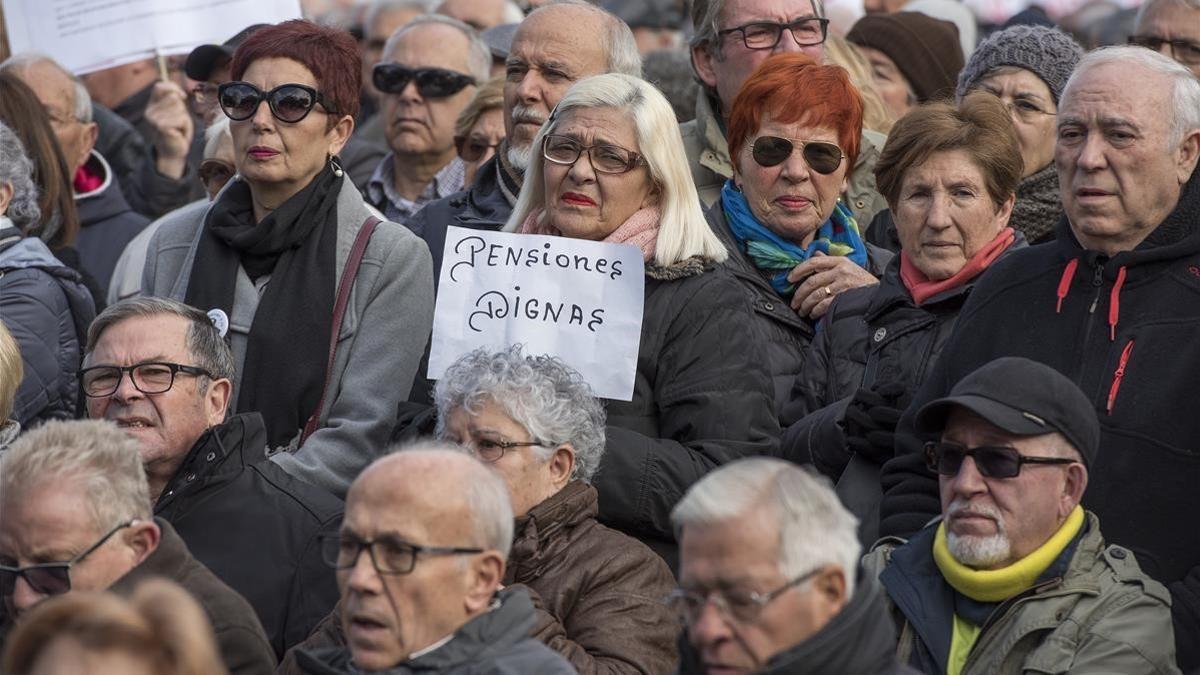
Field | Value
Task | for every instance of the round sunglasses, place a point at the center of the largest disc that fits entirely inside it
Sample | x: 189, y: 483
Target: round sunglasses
x: 288, y: 102
x: 392, y: 78
x: 991, y: 461
x: 822, y: 157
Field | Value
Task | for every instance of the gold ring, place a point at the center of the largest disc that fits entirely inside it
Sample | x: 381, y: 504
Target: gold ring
x: 828, y: 292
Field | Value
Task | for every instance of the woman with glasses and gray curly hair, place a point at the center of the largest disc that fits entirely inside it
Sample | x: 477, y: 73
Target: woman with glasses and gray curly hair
x: 43, y: 303
x: 536, y: 422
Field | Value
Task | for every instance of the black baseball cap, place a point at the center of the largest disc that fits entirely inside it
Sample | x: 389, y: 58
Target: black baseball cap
x: 205, y: 59
x: 1024, y: 398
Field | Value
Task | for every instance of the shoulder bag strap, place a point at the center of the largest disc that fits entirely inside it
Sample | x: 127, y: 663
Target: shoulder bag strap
x: 345, y: 284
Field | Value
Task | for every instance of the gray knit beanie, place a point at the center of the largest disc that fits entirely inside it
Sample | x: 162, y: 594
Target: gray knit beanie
x: 1046, y: 52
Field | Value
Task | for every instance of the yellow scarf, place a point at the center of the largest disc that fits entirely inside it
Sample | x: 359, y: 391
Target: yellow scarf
x: 1001, y: 584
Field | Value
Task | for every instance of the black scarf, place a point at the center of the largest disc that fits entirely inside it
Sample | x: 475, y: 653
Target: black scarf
x: 288, y: 346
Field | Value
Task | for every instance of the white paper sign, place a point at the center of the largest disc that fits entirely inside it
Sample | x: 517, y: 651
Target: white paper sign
x: 87, y: 35
x: 578, y: 300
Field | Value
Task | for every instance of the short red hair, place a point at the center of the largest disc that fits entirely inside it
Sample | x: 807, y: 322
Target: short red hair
x: 791, y: 88
x: 330, y: 54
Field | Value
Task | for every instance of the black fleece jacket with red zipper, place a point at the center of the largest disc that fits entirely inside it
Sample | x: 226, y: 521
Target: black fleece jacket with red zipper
x: 1126, y: 329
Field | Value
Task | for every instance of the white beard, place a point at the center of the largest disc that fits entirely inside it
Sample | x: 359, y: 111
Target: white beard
x: 974, y: 550
x: 519, y: 157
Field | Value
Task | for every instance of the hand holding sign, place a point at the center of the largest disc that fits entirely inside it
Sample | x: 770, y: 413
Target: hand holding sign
x: 578, y: 300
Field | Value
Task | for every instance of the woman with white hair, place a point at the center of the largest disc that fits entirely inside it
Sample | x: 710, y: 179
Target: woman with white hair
x: 609, y: 166
x: 535, y: 422
x: 43, y: 303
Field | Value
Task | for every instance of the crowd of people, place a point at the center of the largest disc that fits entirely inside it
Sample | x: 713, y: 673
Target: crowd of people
x: 908, y: 393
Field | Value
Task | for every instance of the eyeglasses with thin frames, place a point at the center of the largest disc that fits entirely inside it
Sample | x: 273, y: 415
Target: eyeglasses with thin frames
x: 389, y: 555
x: 148, y: 377
x: 52, y: 578
x: 604, y: 157
x: 1186, y: 52
x: 1022, y: 108
x: 742, y: 607
x: 807, y: 32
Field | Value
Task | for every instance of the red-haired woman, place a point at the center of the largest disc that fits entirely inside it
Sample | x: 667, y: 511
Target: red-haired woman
x: 278, y: 243
x: 794, y: 133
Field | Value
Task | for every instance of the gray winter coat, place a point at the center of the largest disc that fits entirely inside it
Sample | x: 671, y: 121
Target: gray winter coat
x: 46, y: 307
x: 381, y: 339
x: 494, y: 643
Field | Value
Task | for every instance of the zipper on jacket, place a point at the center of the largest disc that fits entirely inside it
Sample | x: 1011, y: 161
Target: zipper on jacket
x: 1119, y: 375
x: 1097, y: 282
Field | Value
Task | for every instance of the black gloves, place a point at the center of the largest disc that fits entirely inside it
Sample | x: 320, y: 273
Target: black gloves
x: 870, y: 420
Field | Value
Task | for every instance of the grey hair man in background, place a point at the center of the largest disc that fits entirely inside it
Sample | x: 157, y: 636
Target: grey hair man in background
x: 1171, y: 27
x: 768, y: 577
x: 77, y: 516
x: 557, y: 45
x: 428, y: 73
x: 419, y: 560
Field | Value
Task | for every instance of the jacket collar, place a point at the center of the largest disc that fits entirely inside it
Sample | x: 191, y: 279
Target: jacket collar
x: 97, y: 165
x: 714, y: 149
x: 217, y: 456
x: 688, y: 267
x: 542, y: 534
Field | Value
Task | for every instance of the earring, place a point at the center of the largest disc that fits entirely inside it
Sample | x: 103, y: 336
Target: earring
x: 337, y: 168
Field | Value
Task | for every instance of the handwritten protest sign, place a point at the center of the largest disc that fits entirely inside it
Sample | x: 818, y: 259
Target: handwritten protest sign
x: 87, y: 35
x: 578, y: 300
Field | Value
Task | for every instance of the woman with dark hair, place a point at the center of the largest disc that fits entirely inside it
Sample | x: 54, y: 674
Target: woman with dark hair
x: 949, y: 176
x: 328, y: 309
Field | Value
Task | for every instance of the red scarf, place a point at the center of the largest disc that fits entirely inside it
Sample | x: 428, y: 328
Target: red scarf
x: 920, y: 286
x: 86, y: 181
x: 640, y: 230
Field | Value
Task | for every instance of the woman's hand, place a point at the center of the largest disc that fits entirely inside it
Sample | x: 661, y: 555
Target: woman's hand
x: 824, y: 277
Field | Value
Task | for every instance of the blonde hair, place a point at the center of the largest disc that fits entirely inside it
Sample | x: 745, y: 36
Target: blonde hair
x: 842, y: 52
x: 489, y: 96
x: 12, y: 371
x: 160, y: 624
x: 683, y: 233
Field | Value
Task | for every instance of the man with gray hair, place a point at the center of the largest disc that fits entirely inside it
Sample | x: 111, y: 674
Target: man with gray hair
x: 1172, y: 28
x: 482, y: 14
x: 768, y: 577
x: 420, y: 559
x: 429, y: 71
x: 162, y: 372
x: 1111, y: 304
x: 557, y: 45
x: 107, y: 222
x: 731, y: 38
x: 77, y: 517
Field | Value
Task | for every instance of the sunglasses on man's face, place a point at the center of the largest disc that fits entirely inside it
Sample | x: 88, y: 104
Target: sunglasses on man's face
x: 991, y: 461
x: 392, y: 78
x: 50, y: 578
x: 822, y: 157
x: 288, y: 102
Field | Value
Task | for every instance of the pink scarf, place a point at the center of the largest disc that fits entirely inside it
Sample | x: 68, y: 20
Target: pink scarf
x: 922, y: 288
x: 641, y: 230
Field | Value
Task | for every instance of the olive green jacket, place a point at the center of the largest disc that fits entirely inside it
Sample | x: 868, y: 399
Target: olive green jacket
x: 1103, y: 615
x: 708, y: 159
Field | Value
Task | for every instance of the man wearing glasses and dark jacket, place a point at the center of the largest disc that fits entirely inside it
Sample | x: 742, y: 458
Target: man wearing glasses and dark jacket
x: 75, y: 516
x: 1015, y: 576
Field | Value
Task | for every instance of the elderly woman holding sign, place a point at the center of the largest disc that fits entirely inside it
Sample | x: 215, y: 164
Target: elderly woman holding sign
x: 329, y: 309
x: 610, y: 167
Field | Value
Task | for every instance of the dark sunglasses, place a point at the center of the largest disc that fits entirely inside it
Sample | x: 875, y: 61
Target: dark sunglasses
x: 992, y: 461
x: 392, y: 78
x: 288, y: 102
x: 822, y: 157
x: 473, y: 149
x: 50, y: 578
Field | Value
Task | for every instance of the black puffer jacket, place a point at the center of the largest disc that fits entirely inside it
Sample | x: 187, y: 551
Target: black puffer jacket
x: 1124, y: 329
x: 870, y: 337
x: 255, y: 527
x: 784, y: 334
x: 701, y: 397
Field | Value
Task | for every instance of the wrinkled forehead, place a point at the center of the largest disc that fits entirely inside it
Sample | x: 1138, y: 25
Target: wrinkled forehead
x: 430, y: 45
x: 48, y: 520
x: 1103, y: 92
x: 141, y: 338
x: 568, y: 35
x: 419, y: 507
x: 738, y: 12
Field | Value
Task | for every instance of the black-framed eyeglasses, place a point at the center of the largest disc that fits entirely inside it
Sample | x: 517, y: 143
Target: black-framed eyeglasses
x: 742, y: 607
x: 604, y: 157
x: 50, y: 578
x: 998, y: 461
x: 1184, y: 51
x: 474, y: 149
x: 392, y: 78
x: 388, y: 555
x: 288, y: 102
x: 821, y: 156
x: 149, y: 377
x: 807, y: 32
